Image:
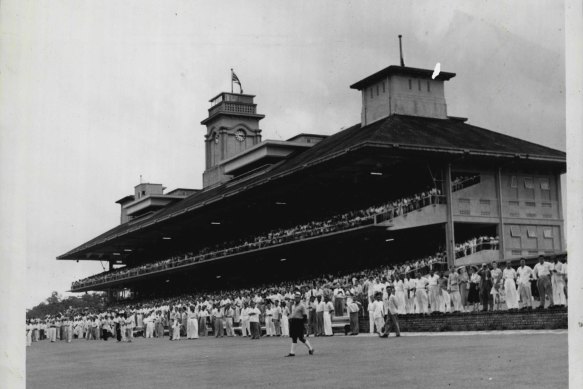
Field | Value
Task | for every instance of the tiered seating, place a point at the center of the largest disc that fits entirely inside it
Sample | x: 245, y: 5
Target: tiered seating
x: 349, y: 220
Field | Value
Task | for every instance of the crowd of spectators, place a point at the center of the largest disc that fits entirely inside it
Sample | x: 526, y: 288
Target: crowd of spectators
x: 348, y: 220
x: 418, y: 287
x: 223, y: 311
x: 461, y: 182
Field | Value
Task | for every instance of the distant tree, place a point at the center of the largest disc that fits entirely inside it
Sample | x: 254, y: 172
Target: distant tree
x: 55, y: 298
x: 55, y: 304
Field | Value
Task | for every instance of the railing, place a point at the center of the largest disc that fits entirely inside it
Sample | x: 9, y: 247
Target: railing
x: 170, y: 264
x: 430, y: 266
x: 489, y: 245
x: 403, y: 209
x: 232, y: 107
x: 274, y: 239
x: 465, y: 183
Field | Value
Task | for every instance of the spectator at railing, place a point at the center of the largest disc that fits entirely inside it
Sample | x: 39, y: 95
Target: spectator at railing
x: 475, y: 245
x: 461, y: 182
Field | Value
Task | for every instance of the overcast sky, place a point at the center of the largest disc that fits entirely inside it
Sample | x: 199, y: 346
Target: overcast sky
x: 102, y: 92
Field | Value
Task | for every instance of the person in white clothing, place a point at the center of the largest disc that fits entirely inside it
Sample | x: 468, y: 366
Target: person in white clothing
x: 371, y: 315
x: 245, y: 327
x: 497, y: 286
x: 130, y: 324
x: 378, y: 311
x: 399, y: 286
x: 508, y: 276
x: 254, y: 313
x: 542, y: 273
x: 192, y: 324
x: 328, y: 312
x: 421, y: 295
x: 284, y: 319
x: 28, y: 333
x: 558, y: 283
x: 149, y: 321
x: 444, y: 299
x: 176, y: 329
x: 269, y: 327
x: 453, y: 285
x: 433, y: 286
x: 409, y: 285
x: 524, y: 275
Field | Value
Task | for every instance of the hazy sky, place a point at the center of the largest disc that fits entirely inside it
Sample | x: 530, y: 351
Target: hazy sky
x: 101, y: 92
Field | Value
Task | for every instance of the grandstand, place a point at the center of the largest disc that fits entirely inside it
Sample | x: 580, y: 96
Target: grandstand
x: 406, y: 182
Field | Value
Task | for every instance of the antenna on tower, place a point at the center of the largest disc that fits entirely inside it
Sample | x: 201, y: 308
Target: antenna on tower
x: 401, y: 51
x: 141, y: 179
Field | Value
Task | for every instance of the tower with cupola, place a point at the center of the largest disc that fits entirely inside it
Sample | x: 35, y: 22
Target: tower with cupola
x: 232, y: 127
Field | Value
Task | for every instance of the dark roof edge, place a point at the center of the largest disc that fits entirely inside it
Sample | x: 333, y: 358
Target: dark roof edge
x: 206, y: 202
x: 475, y: 152
x: 402, y: 70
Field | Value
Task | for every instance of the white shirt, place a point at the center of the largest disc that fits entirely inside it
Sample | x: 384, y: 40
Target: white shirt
x: 399, y: 286
x: 371, y: 288
x: 420, y: 283
x: 393, y: 306
x: 432, y: 280
x: 524, y: 274
x: 328, y: 307
x: 254, y: 318
x: 543, y: 270
x: 378, y: 309
x: 509, y: 274
x: 353, y: 307
x: 408, y: 284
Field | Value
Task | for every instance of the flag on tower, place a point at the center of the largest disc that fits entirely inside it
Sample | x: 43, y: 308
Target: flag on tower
x: 235, y: 79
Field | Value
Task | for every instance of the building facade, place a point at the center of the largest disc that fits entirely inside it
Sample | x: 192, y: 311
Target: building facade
x: 482, y: 183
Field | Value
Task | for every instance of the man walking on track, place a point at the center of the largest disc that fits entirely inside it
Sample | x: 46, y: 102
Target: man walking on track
x: 299, y: 315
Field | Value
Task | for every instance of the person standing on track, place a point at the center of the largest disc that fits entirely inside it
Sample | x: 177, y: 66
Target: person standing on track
x: 254, y: 313
x: 328, y: 312
x: 298, y: 318
x: 378, y: 310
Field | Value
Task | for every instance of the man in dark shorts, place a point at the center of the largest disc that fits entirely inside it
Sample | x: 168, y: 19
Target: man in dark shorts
x: 297, y: 320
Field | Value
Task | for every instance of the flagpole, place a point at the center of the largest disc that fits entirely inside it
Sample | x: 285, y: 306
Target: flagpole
x: 231, y: 80
x: 401, y: 51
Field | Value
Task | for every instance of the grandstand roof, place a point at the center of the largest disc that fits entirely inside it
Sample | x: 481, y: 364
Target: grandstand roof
x: 397, y: 135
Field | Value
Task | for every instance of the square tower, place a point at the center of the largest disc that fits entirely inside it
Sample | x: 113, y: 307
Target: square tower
x: 402, y: 90
x: 232, y: 127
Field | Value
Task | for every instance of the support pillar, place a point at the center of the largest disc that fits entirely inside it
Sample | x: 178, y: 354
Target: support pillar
x: 557, y: 176
x: 501, y: 239
x: 449, y: 225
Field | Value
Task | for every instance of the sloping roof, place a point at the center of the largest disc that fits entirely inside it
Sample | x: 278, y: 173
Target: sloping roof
x: 408, y: 132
